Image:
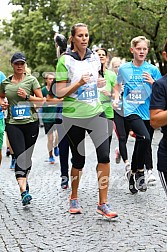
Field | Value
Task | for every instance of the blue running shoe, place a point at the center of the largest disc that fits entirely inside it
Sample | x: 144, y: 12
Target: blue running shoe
x: 75, y: 207
x: 56, y: 151
x: 51, y: 160
x: 13, y: 163
x: 105, y: 210
x: 26, y: 198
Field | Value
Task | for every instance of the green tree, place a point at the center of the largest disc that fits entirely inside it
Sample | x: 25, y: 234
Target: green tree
x: 6, y: 47
x: 112, y: 24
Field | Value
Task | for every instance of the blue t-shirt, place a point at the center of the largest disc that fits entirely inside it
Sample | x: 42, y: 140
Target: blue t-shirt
x: 136, y: 97
x: 2, y: 77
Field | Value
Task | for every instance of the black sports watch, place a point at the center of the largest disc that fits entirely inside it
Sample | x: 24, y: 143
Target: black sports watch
x: 27, y: 97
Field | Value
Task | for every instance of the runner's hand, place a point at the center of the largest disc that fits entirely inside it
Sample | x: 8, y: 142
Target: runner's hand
x: 21, y: 92
x: 115, y: 104
x: 147, y: 77
x: 101, y: 82
x: 84, y: 79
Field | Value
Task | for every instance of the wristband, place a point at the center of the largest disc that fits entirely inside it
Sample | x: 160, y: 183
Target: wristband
x: 27, y: 97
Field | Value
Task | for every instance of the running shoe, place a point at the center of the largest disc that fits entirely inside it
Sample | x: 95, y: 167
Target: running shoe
x: 51, y: 160
x: 56, y: 151
x: 13, y: 163
x: 132, y: 182
x: 75, y: 207
x: 132, y: 134
x: 64, y: 182
x: 140, y: 181
x: 105, y: 210
x: 26, y: 198
x: 7, y: 152
x: 127, y: 174
x: 117, y: 156
x: 127, y: 167
x: 151, y: 179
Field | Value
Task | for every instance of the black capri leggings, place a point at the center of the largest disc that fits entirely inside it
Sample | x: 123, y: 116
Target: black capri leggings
x: 97, y: 128
x: 142, y: 143
x: 122, y: 130
x: 22, y: 139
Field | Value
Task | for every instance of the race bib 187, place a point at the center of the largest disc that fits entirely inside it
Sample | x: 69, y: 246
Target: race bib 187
x: 20, y: 111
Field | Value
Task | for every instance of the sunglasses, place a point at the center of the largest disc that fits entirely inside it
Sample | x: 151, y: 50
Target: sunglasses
x: 19, y: 63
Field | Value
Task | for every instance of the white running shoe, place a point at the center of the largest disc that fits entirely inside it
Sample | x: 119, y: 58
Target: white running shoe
x: 127, y: 166
x: 151, y: 179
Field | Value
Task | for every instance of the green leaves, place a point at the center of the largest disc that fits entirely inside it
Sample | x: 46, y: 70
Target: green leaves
x: 112, y: 24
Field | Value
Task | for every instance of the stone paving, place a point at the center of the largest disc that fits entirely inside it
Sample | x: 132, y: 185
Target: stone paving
x: 46, y: 225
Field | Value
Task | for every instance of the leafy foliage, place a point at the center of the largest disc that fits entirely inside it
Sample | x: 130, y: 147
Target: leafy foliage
x: 112, y: 24
x: 6, y: 48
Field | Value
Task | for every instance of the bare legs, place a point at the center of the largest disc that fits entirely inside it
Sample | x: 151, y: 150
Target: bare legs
x: 75, y: 178
x: 22, y: 184
x: 103, y: 172
x: 52, y: 141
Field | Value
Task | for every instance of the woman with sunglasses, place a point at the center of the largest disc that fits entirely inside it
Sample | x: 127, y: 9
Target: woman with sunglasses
x: 22, y: 92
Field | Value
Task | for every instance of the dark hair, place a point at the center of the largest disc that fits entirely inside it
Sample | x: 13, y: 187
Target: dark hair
x: 165, y: 46
x: 73, y: 30
x: 61, y: 41
x: 105, y: 50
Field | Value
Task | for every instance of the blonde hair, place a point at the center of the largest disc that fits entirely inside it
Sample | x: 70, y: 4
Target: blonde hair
x: 27, y: 69
x: 112, y: 63
x: 139, y: 39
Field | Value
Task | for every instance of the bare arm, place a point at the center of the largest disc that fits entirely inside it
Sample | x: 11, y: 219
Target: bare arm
x: 158, y: 118
x: 52, y: 101
x: 62, y: 89
x: 37, y: 98
x: 116, y: 94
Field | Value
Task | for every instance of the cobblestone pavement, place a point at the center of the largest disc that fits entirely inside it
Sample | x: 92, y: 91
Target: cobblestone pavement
x: 46, y: 225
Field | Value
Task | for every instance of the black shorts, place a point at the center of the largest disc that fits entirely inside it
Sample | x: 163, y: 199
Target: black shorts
x: 49, y: 127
